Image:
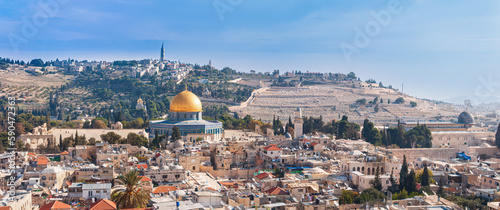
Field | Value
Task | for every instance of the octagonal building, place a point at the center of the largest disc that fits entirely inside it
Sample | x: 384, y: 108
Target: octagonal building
x: 186, y: 113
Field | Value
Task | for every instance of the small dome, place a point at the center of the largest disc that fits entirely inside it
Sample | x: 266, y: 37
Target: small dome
x: 485, y: 145
x: 465, y: 118
x: 52, y: 170
x: 177, y: 167
x: 288, y: 136
x: 165, y: 168
x: 185, y: 101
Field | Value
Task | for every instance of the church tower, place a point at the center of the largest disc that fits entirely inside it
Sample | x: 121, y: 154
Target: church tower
x: 298, y: 124
x: 162, y: 53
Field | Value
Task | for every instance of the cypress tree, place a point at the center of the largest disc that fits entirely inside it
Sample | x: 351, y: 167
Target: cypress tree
x: 176, y: 133
x: 412, y: 182
x: 440, y: 190
x: 377, y: 183
x: 403, y: 175
x: 394, y: 186
x: 425, y: 176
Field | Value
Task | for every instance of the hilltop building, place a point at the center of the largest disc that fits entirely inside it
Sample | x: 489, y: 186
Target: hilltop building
x: 140, y: 104
x: 460, y: 134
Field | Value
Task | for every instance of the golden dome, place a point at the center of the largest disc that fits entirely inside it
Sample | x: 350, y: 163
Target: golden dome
x: 185, y: 101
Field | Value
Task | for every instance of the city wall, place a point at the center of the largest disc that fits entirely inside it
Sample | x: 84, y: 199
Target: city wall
x: 436, y: 153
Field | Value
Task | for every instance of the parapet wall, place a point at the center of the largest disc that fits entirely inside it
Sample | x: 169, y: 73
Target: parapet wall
x: 435, y: 153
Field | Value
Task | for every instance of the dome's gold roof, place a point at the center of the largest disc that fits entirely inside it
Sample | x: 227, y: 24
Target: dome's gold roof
x: 185, y: 101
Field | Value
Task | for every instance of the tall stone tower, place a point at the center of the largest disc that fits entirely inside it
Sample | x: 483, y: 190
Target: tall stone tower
x: 162, y: 53
x: 298, y: 124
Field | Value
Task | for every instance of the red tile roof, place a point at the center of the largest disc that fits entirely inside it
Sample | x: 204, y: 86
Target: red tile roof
x: 142, y: 166
x: 314, y: 144
x: 164, y: 189
x: 103, y: 204
x: 272, y: 147
x: 145, y: 179
x: 5, y: 208
x: 276, y: 191
x: 228, y: 184
x: 31, y: 154
x: 41, y: 160
x: 65, y: 153
x: 264, y: 175
x: 56, y: 205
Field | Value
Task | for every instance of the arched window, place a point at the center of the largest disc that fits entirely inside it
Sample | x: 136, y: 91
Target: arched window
x: 382, y: 170
x: 358, y: 168
x: 353, y: 168
x: 363, y: 169
x: 194, y: 168
x: 373, y: 170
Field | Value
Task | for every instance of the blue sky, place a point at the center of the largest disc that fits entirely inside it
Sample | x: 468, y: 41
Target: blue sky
x: 438, y: 49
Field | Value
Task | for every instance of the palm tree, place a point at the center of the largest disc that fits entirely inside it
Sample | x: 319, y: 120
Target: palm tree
x: 130, y: 194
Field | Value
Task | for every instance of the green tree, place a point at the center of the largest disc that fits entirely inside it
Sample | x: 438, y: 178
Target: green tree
x: 130, y: 193
x: 37, y: 62
x: 400, y: 100
x: 176, y: 133
x: 347, y: 197
x: 394, y: 186
x: 403, y: 194
x: 111, y: 138
x: 377, y: 182
x: 403, y: 174
x: 137, y: 140
x: 440, y: 191
x: 361, y: 101
x: 411, y: 182
x: 371, y: 194
x: 98, y: 124
x: 425, y: 176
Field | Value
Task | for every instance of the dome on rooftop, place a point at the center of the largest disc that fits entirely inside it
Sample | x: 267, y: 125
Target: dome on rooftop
x: 185, y: 101
x: 52, y: 170
x: 288, y: 136
x: 465, y: 118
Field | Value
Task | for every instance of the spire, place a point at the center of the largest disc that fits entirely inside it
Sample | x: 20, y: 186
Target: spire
x: 162, y: 53
x: 185, y: 86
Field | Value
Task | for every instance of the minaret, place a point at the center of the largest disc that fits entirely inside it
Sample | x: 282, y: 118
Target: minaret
x: 298, y: 124
x: 162, y: 53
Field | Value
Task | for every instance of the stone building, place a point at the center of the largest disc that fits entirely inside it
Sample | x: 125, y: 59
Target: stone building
x: 39, y: 137
x: 172, y: 175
